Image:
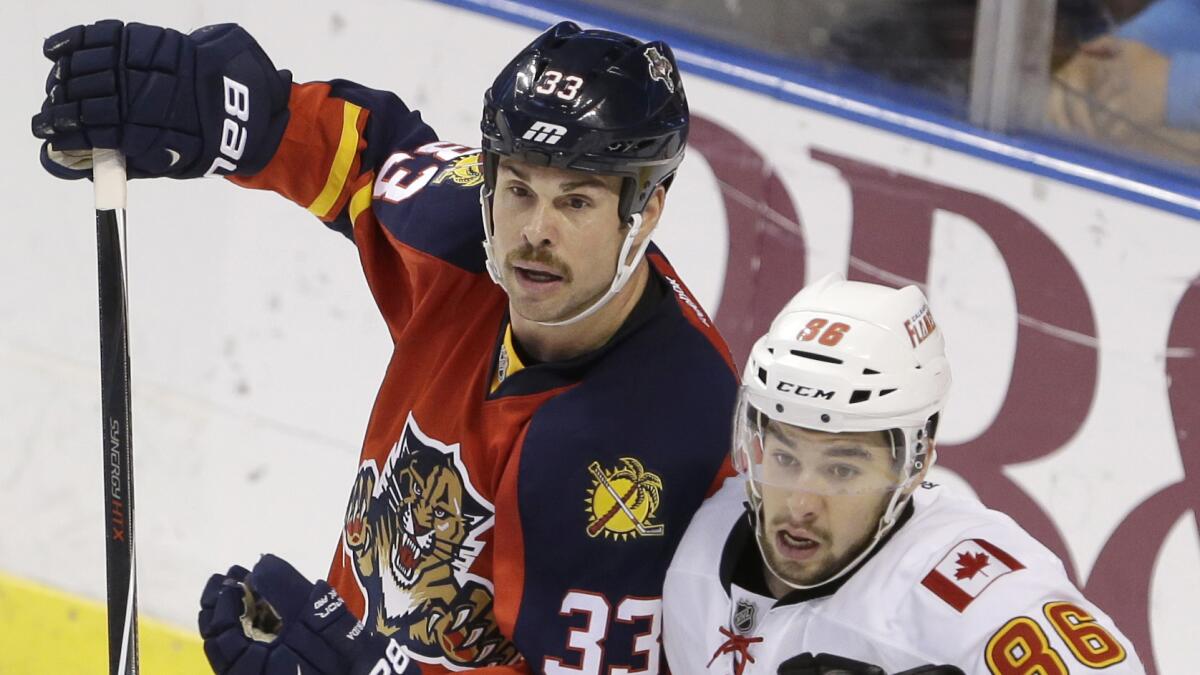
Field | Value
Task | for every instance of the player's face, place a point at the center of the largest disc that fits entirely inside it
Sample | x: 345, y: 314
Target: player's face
x: 822, y: 497
x: 557, y: 235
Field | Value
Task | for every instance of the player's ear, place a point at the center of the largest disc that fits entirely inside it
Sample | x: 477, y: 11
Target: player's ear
x: 652, y: 213
x: 930, y: 459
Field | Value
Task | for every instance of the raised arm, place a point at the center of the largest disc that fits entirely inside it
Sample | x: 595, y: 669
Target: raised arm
x: 340, y: 137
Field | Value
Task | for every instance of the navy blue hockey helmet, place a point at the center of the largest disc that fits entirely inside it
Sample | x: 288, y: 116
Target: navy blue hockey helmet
x: 590, y: 100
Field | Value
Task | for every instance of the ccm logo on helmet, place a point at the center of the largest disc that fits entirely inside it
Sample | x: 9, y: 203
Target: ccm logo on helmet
x: 233, y: 133
x: 807, y: 392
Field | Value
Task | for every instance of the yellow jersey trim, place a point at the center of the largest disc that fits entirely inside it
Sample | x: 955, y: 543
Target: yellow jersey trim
x: 508, y: 363
x: 347, y: 147
x: 361, y: 201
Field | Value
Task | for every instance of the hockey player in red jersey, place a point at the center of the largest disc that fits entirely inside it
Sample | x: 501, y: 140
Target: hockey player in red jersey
x: 556, y: 406
x: 832, y: 553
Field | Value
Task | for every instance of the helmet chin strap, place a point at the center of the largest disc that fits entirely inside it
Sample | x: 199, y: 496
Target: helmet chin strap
x: 624, y: 272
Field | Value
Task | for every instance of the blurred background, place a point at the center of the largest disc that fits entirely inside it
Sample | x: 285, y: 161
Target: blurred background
x: 1113, y: 75
x: 1034, y: 165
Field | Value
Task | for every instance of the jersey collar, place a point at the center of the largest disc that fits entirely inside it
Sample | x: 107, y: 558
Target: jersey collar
x: 534, y: 377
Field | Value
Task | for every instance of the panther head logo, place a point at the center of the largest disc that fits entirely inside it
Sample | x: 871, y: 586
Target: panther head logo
x: 429, y: 515
x: 660, y: 68
x: 413, y: 532
x: 466, y: 171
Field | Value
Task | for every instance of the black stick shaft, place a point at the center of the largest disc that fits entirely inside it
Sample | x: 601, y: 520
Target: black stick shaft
x: 116, y: 417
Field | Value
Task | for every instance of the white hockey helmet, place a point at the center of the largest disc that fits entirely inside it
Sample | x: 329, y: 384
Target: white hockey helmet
x: 846, y: 356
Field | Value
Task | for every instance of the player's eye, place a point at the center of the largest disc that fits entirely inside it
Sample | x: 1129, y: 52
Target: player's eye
x: 844, y: 471
x: 439, y: 512
x: 784, y: 459
x: 518, y: 191
x: 578, y: 203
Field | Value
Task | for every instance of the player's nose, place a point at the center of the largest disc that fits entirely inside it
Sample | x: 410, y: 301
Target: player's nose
x: 804, y: 505
x: 541, y: 229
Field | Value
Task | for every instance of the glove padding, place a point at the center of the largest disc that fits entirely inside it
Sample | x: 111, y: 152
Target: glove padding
x: 826, y: 664
x: 175, y: 105
x: 831, y: 664
x: 273, y: 621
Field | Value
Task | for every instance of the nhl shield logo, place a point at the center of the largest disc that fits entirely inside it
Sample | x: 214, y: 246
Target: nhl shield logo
x: 660, y: 68
x: 744, y: 616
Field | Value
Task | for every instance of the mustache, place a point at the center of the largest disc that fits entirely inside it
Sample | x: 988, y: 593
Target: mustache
x: 527, y: 253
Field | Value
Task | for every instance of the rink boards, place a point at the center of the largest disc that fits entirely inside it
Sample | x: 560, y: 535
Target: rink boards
x: 1068, y: 294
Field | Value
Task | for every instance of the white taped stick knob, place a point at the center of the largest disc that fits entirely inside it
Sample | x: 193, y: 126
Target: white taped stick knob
x: 108, y: 176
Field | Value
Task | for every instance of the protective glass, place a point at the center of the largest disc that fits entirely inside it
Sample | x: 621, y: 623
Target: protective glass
x: 775, y: 454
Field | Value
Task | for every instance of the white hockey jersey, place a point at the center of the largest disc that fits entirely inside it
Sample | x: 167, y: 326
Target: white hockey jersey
x: 956, y: 584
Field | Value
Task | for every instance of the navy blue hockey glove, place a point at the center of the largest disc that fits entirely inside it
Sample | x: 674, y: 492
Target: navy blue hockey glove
x: 830, y: 664
x: 175, y: 105
x: 273, y: 621
x: 826, y: 664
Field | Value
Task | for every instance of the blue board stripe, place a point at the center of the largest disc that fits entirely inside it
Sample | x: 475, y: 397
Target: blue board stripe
x: 1131, y: 181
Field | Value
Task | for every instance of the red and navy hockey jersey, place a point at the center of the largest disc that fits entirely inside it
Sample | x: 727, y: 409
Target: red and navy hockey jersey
x: 521, y: 527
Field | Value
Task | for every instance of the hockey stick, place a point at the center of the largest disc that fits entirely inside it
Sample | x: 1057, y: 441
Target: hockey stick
x: 116, y: 421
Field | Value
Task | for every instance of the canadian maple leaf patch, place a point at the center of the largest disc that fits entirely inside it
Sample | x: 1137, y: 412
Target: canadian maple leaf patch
x: 967, y: 570
x: 970, y: 564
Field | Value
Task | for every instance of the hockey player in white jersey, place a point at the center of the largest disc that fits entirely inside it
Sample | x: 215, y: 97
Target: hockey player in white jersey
x: 831, y: 553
